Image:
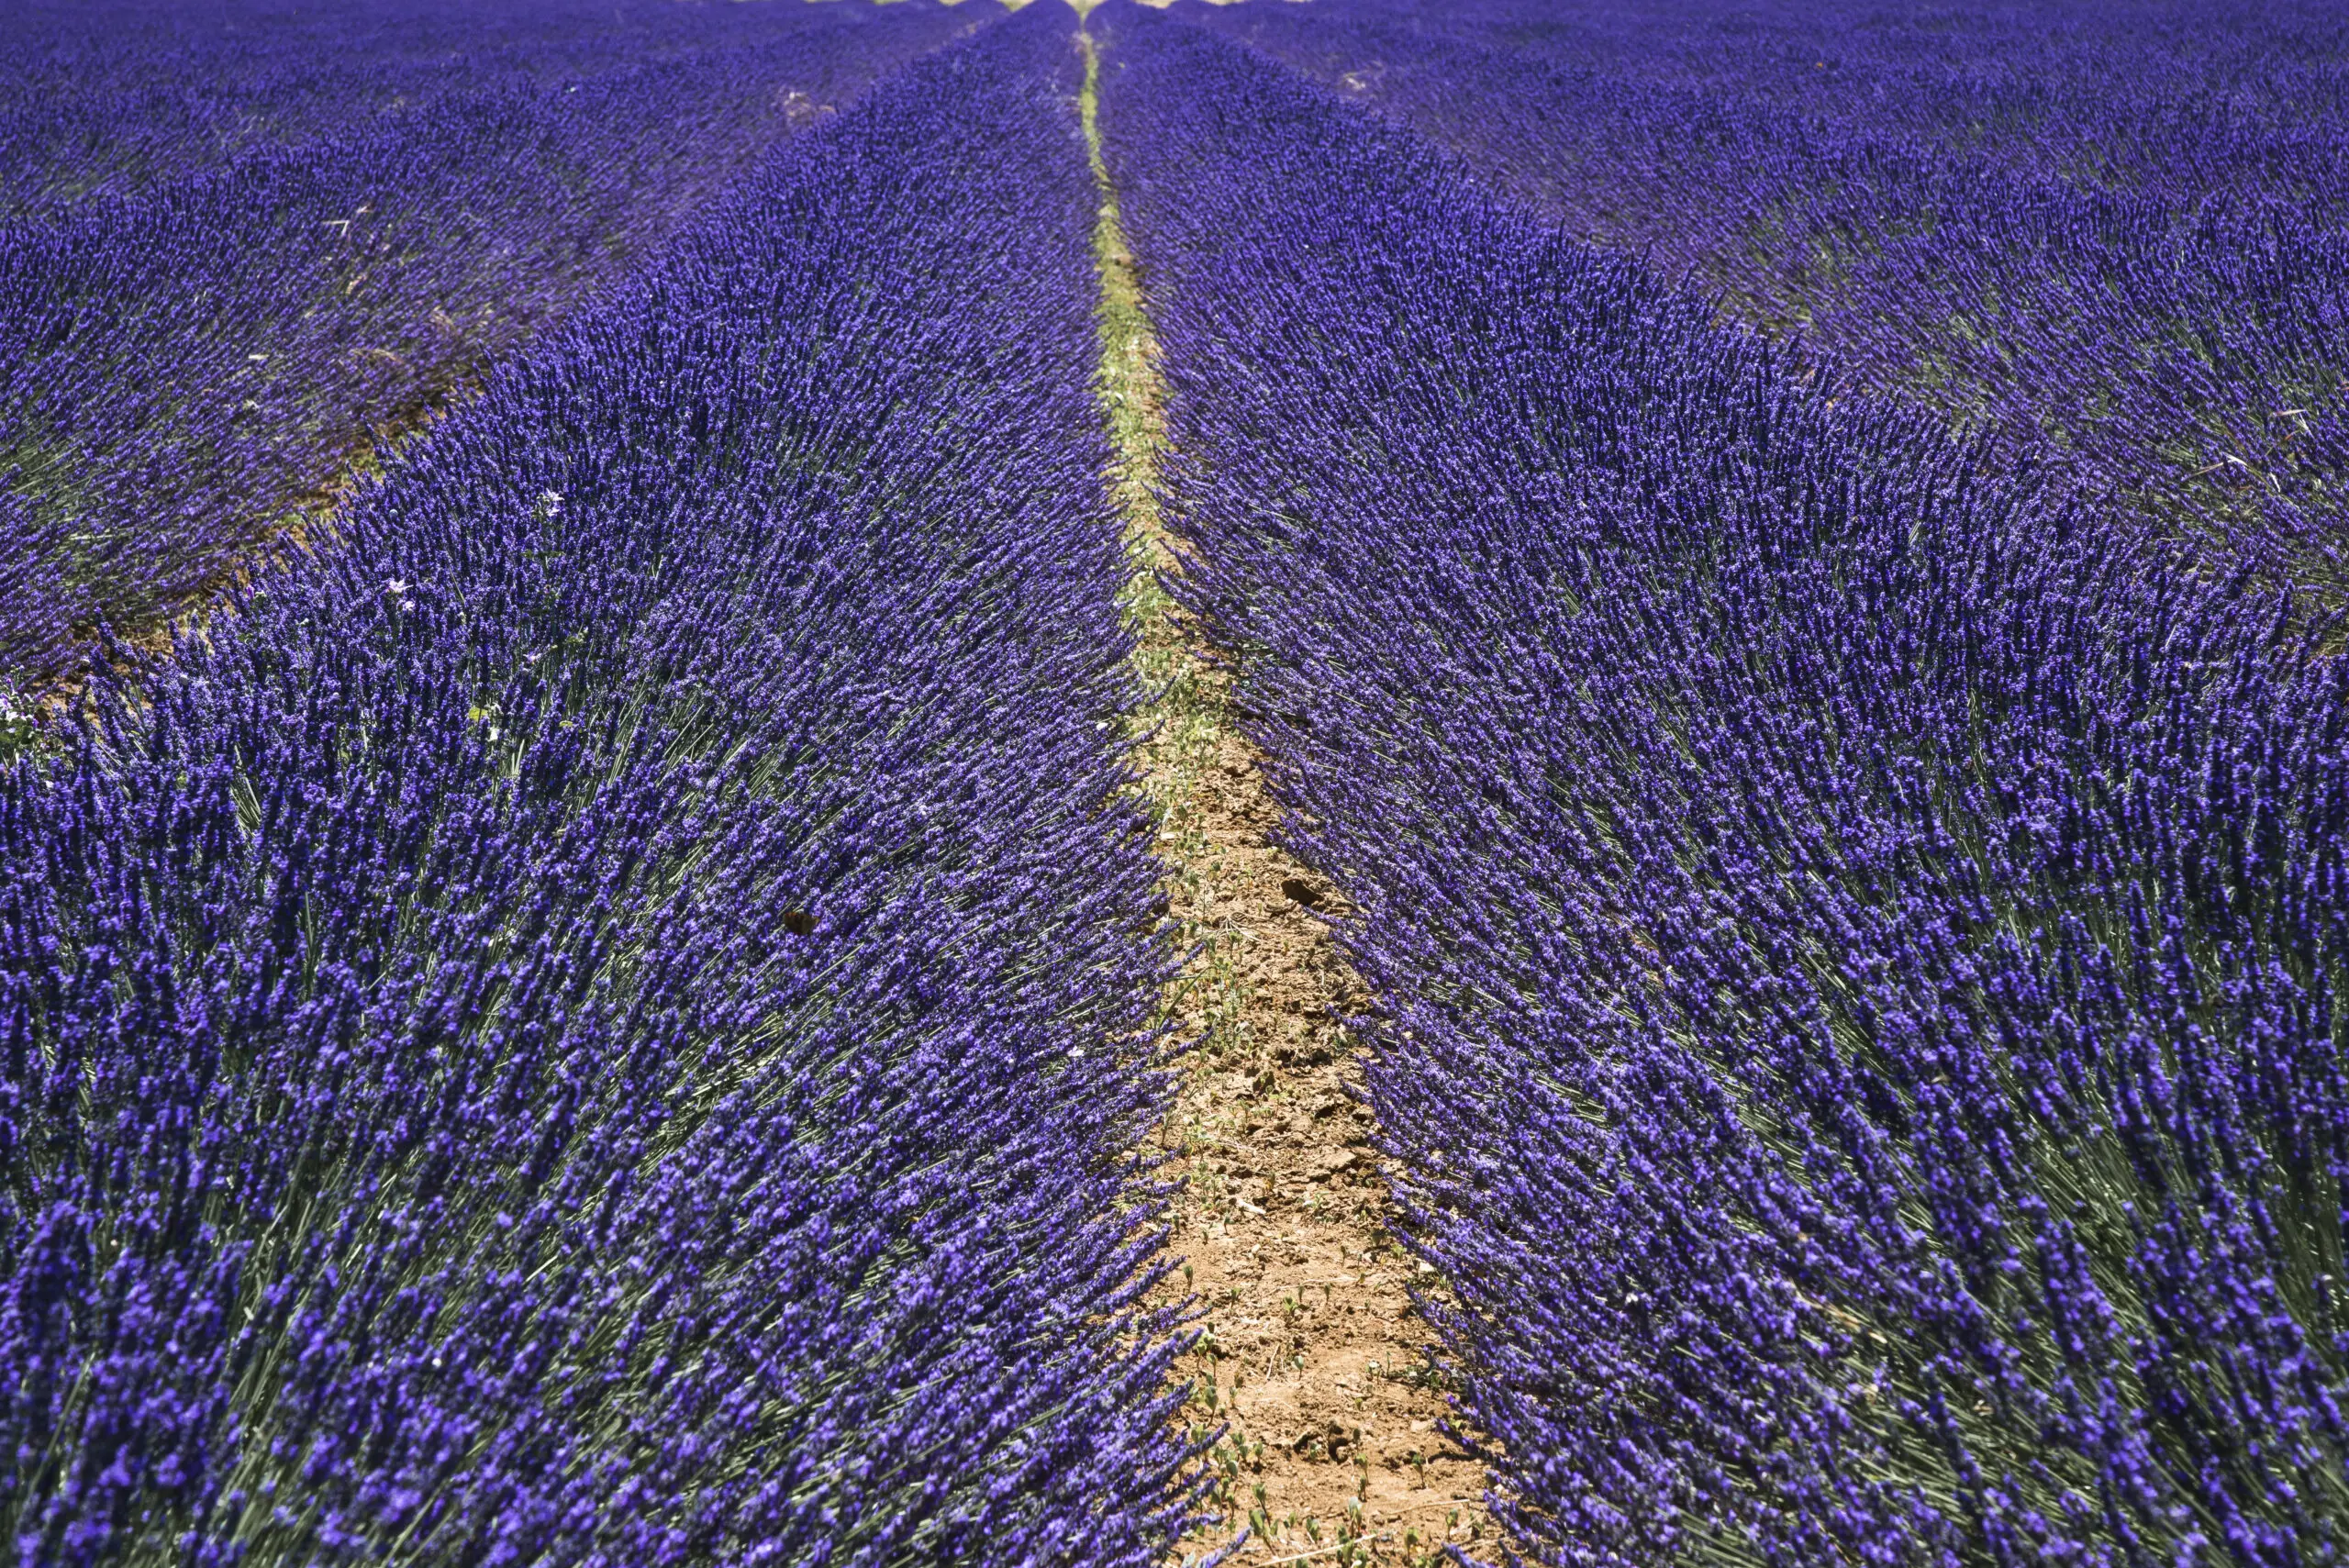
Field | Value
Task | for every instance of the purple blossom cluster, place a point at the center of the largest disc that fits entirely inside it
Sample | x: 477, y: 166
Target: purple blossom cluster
x: 2114, y: 236
x: 112, y: 96
x: 1864, y: 933
x: 604, y: 1018
x: 263, y: 290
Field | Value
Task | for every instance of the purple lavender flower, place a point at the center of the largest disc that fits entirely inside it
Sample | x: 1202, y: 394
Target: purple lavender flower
x: 251, y: 292
x: 1863, y: 927
x: 2113, y: 240
x: 602, y: 1016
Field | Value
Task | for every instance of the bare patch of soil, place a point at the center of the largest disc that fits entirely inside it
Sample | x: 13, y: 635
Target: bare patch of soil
x: 1311, y: 1359
x: 1312, y: 1355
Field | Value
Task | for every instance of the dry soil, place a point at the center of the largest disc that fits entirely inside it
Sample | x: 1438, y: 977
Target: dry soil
x: 1311, y: 1360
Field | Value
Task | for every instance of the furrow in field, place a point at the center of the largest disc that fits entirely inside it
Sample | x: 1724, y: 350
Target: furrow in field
x: 1310, y: 1357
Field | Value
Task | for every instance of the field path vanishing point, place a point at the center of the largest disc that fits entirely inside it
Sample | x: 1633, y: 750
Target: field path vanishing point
x: 1311, y: 1353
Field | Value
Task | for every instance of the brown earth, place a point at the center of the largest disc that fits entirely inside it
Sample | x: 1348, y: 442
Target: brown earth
x: 1312, y: 1354
x: 1310, y: 1359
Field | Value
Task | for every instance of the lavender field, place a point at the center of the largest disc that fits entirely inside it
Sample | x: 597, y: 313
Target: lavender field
x: 1356, y: 782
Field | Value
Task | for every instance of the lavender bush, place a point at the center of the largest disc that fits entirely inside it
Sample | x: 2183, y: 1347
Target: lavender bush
x: 2110, y: 237
x: 183, y: 365
x: 1864, y: 933
x: 110, y: 96
x: 601, y: 1018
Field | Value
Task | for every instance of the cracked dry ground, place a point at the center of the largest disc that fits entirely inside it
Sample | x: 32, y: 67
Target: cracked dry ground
x: 1310, y: 1357
x: 1312, y: 1354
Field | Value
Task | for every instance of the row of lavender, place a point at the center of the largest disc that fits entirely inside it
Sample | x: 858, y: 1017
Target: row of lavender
x: 2115, y: 237
x: 116, y: 96
x: 1867, y: 939
x: 603, y: 1019
x: 186, y: 361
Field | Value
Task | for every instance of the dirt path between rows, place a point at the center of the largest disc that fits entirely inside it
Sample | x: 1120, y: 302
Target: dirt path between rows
x: 1311, y: 1355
